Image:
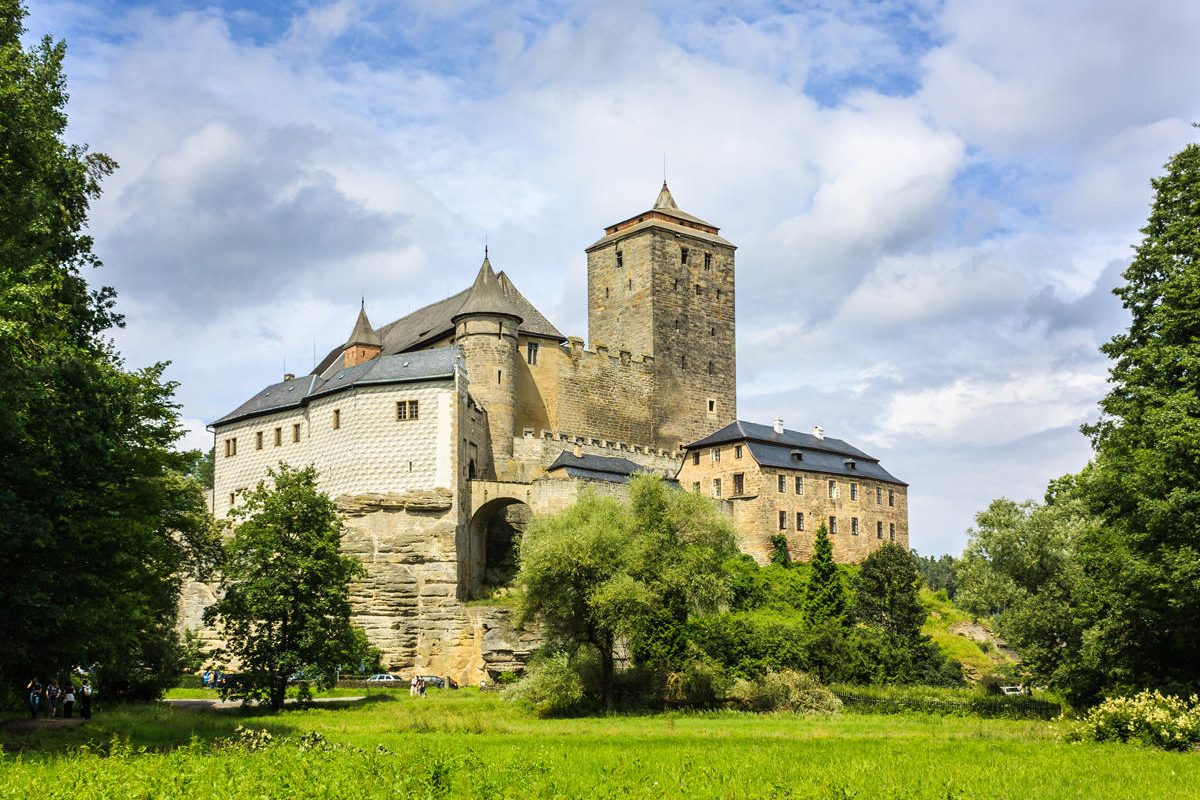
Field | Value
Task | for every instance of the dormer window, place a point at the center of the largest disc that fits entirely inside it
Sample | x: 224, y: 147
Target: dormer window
x: 850, y: 463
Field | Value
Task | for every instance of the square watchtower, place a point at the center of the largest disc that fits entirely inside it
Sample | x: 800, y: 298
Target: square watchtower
x: 661, y: 284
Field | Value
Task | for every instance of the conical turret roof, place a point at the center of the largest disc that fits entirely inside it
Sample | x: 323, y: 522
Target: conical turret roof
x: 665, y: 200
x: 488, y: 295
x: 363, y: 333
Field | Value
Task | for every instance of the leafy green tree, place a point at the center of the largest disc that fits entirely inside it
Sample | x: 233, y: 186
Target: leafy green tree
x: 98, y: 515
x: 1143, y: 561
x: 939, y: 573
x: 284, y: 593
x: 888, y: 595
x: 779, y: 550
x: 826, y: 600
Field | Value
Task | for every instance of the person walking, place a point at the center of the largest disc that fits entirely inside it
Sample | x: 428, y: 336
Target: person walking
x: 85, y: 701
x: 421, y: 687
x: 35, y: 697
x: 53, y: 696
x: 69, y: 701
x: 412, y: 686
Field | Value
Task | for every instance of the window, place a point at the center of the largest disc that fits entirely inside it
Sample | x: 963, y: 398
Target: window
x: 716, y: 487
x: 696, y: 487
x: 878, y: 496
x: 783, y: 520
x: 854, y: 491
x: 677, y: 326
x: 833, y: 490
x: 799, y: 520
x: 718, y: 294
x: 833, y: 524
x: 278, y: 436
x: 712, y: 370
x: 707, y: 261
x: 799, y: 485
x: 878, y: 530
x: 676, y: 284
x: 892, y: 531
x: 296, y: 432
x: 407, y: 409
x: 531, y: 349
x: 695, y: 456
x: 683, y: 254
x: 699, y: 291
x: 337, y: 418
x: 891, y: 497
x: 783, y: 483
x: 629, y: 284
x: 854, y: 526
x: 232, y: 498
x: 739, y: 483
x: 712, y: 330
x: 606, y: 292
x: 683, y: 362
x: 620, y: 259
x: 499, y: 376
x: 712, y: 404
x: 258, y: 441
x: 737, y: 451
x: 716, y: 454
x: 231, y: 447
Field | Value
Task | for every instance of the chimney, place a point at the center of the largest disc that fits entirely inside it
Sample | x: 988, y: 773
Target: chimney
x: 578, y: 450
x: 288, y: 376
x: 779, y: 425
x: 818, y: 432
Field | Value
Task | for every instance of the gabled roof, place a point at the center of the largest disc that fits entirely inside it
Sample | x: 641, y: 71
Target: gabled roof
x: 779, y: 450
x: 423, y: 365
x: 435, y: 321
x: 596, y: 468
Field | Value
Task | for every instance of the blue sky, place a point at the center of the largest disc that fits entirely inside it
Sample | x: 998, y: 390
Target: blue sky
x: 932, y: 200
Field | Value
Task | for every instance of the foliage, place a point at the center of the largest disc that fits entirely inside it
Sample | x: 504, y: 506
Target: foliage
x: 779, y: 550
x: 551, y: 685
x: 887, y: 596
x: 789, y: 690
x: 602, y: 570
x: 698, y: 684
x: 939, y: 574
x: 99, y: 520
x: 284, y: 603
x: 826, y: 600
x: 944, y: 701
x: 1149, y: 718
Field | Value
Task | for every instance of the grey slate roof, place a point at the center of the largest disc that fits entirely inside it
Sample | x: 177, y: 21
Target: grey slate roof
x: 363, y: 333
x: 488, y: 295
x: 423, y: 365
x: 771, y: 449
x: 435, y: 321
x: 665, y: 204
x: 596, y: 468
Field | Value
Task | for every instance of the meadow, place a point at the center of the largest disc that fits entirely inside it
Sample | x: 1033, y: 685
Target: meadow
x: 472, y: 744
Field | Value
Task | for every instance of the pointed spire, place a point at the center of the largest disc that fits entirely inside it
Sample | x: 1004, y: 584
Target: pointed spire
x: 487, y: 295
x: 363, y: 333
x: 665, y: 200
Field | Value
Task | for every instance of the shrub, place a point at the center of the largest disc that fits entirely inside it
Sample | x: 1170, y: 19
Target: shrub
x: 1150, y: 718
x: 699, y: 683
x: 551, y: 685
x: 788, y: 690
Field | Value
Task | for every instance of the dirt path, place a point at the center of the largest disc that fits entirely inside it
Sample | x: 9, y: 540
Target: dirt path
x: 200, y: 704
x: 23, y: 727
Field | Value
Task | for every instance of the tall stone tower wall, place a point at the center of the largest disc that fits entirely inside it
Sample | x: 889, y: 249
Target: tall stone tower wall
x: 489, y: 345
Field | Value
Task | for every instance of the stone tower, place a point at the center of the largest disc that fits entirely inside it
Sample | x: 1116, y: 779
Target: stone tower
x: 661, y: 284
x: 486, y: 329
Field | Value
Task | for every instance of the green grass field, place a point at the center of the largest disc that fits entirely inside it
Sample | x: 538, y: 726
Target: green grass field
x: 468, y: 744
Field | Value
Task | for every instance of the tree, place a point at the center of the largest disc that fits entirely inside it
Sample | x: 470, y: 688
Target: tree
x: 284, y: 592
x: 98, y: 516
x: 888, y: 596
x: 938, y: 573
x: 826, y: 601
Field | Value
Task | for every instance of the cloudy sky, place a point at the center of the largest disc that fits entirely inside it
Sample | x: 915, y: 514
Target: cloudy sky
x: 932, y: 200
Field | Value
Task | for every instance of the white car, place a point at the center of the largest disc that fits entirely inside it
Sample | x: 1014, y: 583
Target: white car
x: 383, y: 678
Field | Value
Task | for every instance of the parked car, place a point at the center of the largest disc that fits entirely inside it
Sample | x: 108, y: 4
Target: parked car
x: 1011, y: 690
x: 383, y: 677
x: 434, y: 681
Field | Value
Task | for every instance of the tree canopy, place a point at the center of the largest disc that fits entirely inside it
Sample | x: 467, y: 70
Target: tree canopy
x: 99, y: 517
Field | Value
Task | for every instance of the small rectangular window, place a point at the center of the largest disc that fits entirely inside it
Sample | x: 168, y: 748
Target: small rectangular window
x: 782, y: 483
x: 878, y: 496
x: 716, y: 487
x: 258, y: 440
x: 712, y: 370
x: 718, y: 294
x: 892, y: 531
x: 739, y: 483
x: 683, y: 254
x: 854, y: 491
x: 833, y: 490
x: 620, y: 259
x: 891, y: 497
x: 695, y: 456
x: 677, y: 326
x: 799, y: 520
x: 676, y: 284
x: 406, y: 409
x: 783, y: 520
x: 707, y: 261
x: 699, y: 291
x: 716, y: 454
x: 231, y: 447
x: 696, y: 487
x: 737, y: 451
x: 337, y: 418
x: 232, y: 499
x: 712, y: 404
x: 854, y: 526
x: 296, y: 432
x: 833, y: 524
x: 878, y: 530
x: 531, y: 349
x: 712, y: 330
x: 278, y: 436
x: 799, y: 485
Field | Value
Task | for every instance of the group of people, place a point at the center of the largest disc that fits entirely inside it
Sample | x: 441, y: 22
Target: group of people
x: 49, y: 699
x: 213, y: 679
x: 416, y: 687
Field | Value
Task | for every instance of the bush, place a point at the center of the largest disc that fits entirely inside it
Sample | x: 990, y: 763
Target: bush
x: 699, y: 683
x: 1149, y: 718
x: 789, y: 690
x: 551, y: 685
x: 944, y: 701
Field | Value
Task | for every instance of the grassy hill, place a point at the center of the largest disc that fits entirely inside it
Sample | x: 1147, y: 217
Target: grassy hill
x: 963, y: 637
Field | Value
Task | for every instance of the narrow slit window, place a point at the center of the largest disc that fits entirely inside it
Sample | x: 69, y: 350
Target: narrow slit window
x: 683, y: 255
x: 620, y: 259
x: 337, y: 418
x: 258, y: 440
x: 278, y: 436
x: 707, y: 261
x: 296, y: 432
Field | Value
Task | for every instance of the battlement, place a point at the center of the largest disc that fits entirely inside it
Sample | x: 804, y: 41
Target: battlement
x: 576, y: 350
x: 538, y: 449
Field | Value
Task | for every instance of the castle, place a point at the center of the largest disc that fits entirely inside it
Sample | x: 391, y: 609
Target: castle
x: 440, y: 433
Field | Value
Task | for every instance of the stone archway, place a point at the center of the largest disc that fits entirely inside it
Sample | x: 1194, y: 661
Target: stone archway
x: 495, y: 533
